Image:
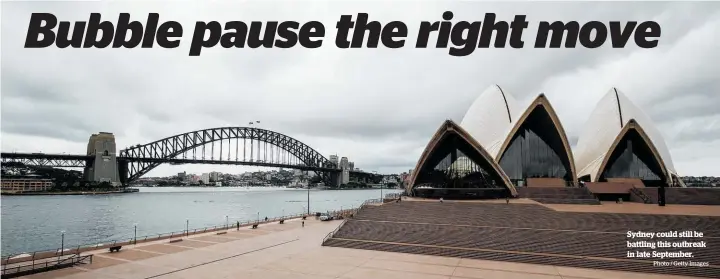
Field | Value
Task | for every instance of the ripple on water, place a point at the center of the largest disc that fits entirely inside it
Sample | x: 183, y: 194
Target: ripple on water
x: 33, y: 223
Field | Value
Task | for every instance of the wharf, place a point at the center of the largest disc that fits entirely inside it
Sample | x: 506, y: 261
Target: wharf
x: 275, y: 251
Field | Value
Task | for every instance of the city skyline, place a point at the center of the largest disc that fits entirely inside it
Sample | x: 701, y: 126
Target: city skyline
x: 377, y: 107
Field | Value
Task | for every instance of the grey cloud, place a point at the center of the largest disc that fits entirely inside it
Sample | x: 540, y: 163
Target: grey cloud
x: 23, y: 119
x: 45, y: 129
x: 700, y: 135
x: 690, y: 105
x: 14, y: 85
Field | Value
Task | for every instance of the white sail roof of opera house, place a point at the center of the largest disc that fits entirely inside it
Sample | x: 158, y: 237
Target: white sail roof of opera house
x: 490, y: 117
x: 605, y: 123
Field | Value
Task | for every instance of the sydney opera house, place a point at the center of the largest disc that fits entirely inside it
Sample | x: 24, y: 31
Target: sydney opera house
x: 501, y: 146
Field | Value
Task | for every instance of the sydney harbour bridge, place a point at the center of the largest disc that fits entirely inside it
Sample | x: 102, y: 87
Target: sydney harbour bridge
x: 248, y: 146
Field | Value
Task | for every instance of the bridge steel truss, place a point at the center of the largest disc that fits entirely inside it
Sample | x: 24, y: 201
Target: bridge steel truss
x: 47, y: 160
x: 141, y: 159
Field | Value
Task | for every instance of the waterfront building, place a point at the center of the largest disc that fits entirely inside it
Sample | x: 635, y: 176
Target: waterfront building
x: 205, y: 178
x: 29, y: 184
x: 214, y: 176
x: 334, y: 159
x: 498, y: 147
x: 344, y: 163
x: 194, y: 178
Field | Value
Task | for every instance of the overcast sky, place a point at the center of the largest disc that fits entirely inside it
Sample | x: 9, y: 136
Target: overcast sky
x: 379, y: 107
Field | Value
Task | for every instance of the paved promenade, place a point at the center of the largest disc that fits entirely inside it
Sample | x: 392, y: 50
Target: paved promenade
x: 290, y: 251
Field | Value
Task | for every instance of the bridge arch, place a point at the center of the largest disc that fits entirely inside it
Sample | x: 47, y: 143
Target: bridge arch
x: 176, y: 145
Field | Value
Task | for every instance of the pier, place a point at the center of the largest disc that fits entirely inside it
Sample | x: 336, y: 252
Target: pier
x: 291, y: 250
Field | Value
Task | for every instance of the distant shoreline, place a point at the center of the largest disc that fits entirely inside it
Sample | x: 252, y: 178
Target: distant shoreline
x: 71, y: 193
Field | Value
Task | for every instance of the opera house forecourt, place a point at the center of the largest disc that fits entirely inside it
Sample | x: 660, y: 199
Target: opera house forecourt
x: 501, y: 148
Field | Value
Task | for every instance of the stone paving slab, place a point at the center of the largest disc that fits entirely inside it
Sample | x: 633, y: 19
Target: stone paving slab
x: 130, y: 255
x: 54, y: 273
x: 132, y: 270
x: 194, y: 244
x: 217, y: 239
x: 257, y: 231
x: 101, y: 262
x: 163, y: 248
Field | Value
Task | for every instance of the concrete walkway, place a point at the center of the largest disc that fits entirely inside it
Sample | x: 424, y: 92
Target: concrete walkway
x: 290, y: 251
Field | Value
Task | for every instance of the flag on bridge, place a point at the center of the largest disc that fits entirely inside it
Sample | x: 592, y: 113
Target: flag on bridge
x: 250, y: 123
x: 257, y: 122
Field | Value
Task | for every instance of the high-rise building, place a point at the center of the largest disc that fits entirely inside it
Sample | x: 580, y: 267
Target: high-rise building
x: 351, y: 165
x: 205, y: 178
x: 344, y: 163
x: 345, y: 179
x: 334, y: 159
x: 214, y: 176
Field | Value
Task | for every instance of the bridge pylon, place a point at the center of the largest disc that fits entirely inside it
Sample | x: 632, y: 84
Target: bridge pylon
x: 104, y: 168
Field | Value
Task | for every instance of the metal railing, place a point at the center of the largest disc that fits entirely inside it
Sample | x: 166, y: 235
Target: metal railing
x: 333, y: 232
x: 640, y: 195
x: 21, y: 269
x: 355, y: 212
x: 371, y: 201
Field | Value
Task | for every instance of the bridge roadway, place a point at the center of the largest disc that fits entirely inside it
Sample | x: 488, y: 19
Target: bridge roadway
x: 81, y: 161
x: 250, y: 146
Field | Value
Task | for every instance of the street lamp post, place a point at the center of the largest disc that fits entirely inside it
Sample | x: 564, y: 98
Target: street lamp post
x: 226, y: 222
x: 62, y: 243
x: 187, y: 227
x: 283, y: 215
x: 382, y: 200
x: 258, y: 217
x: 135, y: 237
x: 308, y: 199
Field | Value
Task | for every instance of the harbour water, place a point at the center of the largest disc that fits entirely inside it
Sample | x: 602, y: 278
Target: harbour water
x: 34, y: 223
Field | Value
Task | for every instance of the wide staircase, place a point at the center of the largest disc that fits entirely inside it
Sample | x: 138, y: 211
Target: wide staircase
x: 691, y: 196
x: 526, y: 233
x: 558, y: 195
x: 637, y: 194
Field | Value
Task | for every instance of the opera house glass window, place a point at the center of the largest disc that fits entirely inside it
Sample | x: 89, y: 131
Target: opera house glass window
x: 633, y: 157
x: 455, y: 164
x: 536, y: 150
